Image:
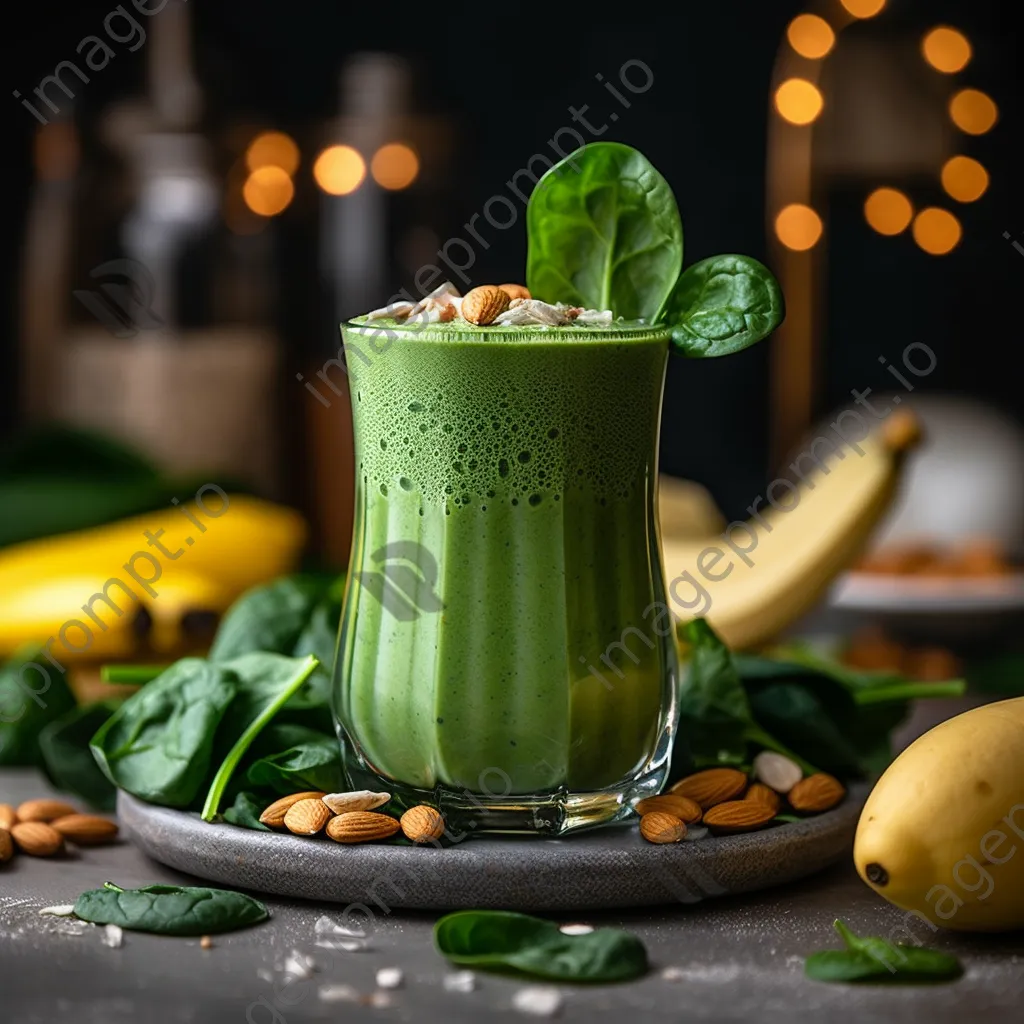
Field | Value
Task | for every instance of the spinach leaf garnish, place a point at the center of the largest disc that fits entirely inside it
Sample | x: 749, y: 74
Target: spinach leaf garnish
x: 170, y: 909
x: 502, y: 940
x: 302, y: 759
x: 67, y: 759
x: 604, y: 232
x: 873, y: 959
x: 30, y: 698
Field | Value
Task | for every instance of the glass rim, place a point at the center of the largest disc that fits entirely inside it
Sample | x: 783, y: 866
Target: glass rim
x: 626, y: 330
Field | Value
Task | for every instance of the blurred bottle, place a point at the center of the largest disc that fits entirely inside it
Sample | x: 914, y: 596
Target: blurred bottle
x: 165, y: 339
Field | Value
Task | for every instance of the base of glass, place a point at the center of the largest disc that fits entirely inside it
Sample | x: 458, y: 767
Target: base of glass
x: 553, y: 813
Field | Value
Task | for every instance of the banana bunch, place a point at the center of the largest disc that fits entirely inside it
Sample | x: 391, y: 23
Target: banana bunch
x: 755, y: 578
x: 155, y: 583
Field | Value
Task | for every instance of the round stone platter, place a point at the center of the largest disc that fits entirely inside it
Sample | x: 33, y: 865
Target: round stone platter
x: 603, y: 868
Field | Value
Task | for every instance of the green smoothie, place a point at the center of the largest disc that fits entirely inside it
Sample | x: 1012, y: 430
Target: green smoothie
x: 506, y: 617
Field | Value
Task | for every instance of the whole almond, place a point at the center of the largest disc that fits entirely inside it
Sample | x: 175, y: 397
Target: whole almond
x: 274, y: 814
x: 686, y: 810
x: 44, y: 810
x: 85, y: 829
x: 422, y: 824
x: 8, y: 816
x: 738, y: 816
x: 361, y: 827
x: 6, y: 846
x: 765, y: 795
x: 659, y: 827
x: 777, y: 771
x: 484, y: 305
x: 37, y: 839
x: 357, y: 800
x: 516, y: 291
x: 307, y: 817
x: 816, y: 793
x: 712, y: 786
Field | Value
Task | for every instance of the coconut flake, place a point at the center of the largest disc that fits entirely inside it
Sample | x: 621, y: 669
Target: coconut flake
x: 113, y: 936
x: 60, y: 910
x: 576, y: 929
x: 537, y: 1002
x: 389, y: 977
x: 298, y: 965
x: 339, y: 994
x: 460, y: 981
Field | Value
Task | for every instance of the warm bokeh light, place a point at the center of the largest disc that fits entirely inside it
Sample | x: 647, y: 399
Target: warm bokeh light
x: 964, y: 179
x: 863, y: 8
x: 946, y: 49
x: 57, y: 151
x: 937, y: 231
x: 798, y: 227
x: 811, y: 36
x: 339, y: 170
x: 888, y: 211
x: 268, y: 191
x: 973, y: 112
x: 394, y: 166
x: 798, y: 101
x: 273, y: 149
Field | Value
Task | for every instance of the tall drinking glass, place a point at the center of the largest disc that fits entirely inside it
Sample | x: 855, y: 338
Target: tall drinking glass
x: 506, y: 650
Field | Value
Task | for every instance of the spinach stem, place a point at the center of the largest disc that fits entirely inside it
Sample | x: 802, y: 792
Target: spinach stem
x: 753, y: 733
x: 256, y: 726
x: 112, y: 887
x: 131, y: 675
x: 909, y: 691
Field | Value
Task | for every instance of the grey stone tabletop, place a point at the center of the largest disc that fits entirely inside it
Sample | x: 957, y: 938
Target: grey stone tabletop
x: 732, y: 959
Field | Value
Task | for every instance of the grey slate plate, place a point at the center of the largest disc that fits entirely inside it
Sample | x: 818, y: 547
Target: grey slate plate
x: 610, y: 867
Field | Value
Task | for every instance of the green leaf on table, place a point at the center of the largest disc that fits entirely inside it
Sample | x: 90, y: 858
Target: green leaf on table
x: 246, y: 810
x: 159, y: 744
x: 303, y: 759
x: 873, y: 959
x: 502, y: 940
x: 33, y: 693
x: 604, y: 232
x: 723, y: 305
x: 67, y: 759
x: 170, y: 909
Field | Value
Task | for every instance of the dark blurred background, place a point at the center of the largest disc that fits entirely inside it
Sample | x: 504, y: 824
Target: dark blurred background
x: 469, y: 93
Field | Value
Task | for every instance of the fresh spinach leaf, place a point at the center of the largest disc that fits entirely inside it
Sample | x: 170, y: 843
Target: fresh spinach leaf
x: 67, y: 759
x: 170, y: 909
x: 158, y: 745
x: 716, y: 719
x: 723, y: 305
x: 270, y: 618
x: 502, y: 940
x: 873, y: 959
x: 246, y: 810
x: 604, y: 232
x: 303, y: 760
x: 266, y: 682
x: 33, y: 693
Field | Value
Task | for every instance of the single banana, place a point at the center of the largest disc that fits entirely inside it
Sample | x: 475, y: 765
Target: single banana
x: 152, y: 582
x: 757, y: 577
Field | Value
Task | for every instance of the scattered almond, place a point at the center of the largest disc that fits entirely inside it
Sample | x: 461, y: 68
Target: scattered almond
x: 85, y: 829
x: 274, y: 814
x: 8, y: 816
x: 6, y: 846
x: 484, y: 305
x: 763, y: 794
x: 206, y: 942
x: 44, y: 810
x: 777, y: 771
x: 361, y: 827
x: 816, y: 793
x: 686, y: 810
x: 659, y: 827
x: 516, y: 291
x: 37, y: 839
x: 712, y: 786
x: 357, y: 800
x: 738, y: 816
x: 307, y: 817
x: 422, y: 823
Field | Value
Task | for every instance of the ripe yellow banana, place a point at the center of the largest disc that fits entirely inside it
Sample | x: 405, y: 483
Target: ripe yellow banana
x: 942, y: 833
x: 89, y: 589
x: 759, y: 576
